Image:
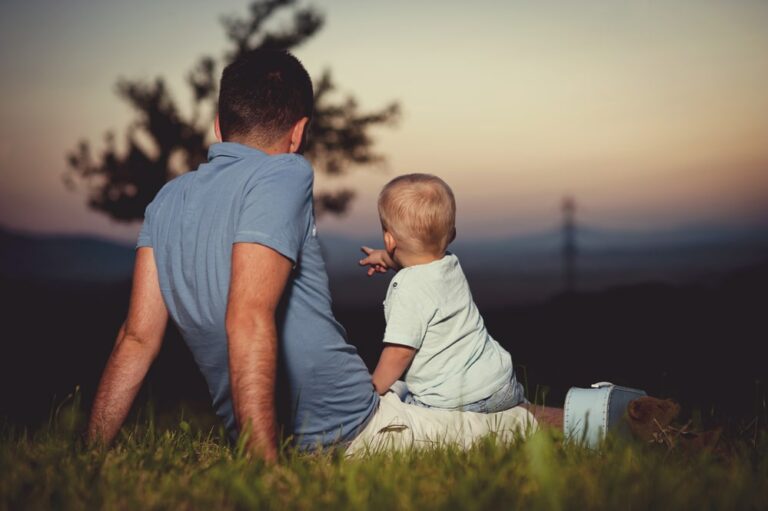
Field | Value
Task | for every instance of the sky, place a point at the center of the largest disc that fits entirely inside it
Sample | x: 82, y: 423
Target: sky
x: 652, y: 114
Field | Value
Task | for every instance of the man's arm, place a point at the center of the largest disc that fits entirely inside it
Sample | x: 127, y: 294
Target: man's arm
x: 137, y: 345
x: 259, y: 275
x: 392, y: 364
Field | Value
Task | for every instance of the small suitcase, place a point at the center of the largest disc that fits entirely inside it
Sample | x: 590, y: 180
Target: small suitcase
x: 590, y: 413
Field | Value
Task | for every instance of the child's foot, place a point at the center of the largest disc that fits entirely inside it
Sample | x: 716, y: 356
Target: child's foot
x: 649, y: 416
x: 650, y: 419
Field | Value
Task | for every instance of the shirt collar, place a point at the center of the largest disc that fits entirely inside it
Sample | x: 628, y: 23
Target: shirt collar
x: 233, y: 150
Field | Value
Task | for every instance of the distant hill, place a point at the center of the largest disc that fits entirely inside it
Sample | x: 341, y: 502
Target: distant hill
x: 528, y: 268
x: 501, y: 271
x: 542, y: 250
x: 63, y: 258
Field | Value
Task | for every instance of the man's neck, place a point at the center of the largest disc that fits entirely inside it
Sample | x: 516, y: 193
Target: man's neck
x: 282, y: 146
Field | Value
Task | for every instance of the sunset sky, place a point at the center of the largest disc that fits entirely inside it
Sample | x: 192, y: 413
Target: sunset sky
x: 652, y: 114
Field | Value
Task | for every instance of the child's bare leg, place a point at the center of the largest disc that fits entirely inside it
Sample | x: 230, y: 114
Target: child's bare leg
x: 546, y: 415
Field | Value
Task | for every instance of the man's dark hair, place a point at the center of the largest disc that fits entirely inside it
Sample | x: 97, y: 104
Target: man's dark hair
x: 263, y: 93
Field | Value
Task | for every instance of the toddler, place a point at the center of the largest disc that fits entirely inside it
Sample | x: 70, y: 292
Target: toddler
x: 434, y: 334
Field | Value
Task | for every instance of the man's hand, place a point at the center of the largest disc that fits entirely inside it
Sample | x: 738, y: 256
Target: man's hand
x: 259, y: 276
x: 137, y: 345
x: 378, y: 261
x: 393, y: 362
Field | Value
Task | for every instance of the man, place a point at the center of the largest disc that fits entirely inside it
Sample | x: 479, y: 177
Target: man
x: 230, y: 252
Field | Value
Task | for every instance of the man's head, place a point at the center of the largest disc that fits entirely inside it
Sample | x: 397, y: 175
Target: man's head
x: 265, y: 96
x: 418, y: 214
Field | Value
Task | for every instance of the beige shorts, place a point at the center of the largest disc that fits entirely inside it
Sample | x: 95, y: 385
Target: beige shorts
x: 398, y: 426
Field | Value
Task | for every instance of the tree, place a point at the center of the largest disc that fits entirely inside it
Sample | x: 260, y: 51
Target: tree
x: 164, y: 141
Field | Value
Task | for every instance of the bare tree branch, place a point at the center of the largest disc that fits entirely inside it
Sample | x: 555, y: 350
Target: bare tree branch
x: 164, y: 141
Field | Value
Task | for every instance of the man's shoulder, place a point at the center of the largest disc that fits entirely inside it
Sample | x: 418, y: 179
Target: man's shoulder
x: 172, y: 187
x: 283, y: 178
x: 175, y: 184
x: 289, y: 167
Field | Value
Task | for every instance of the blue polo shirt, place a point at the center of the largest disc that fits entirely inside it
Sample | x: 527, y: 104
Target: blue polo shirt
x: 242, y: 195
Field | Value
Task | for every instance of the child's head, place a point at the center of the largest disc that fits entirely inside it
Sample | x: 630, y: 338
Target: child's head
x: 419, y: 212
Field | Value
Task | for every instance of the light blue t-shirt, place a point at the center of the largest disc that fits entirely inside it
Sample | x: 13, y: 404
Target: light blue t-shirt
x: 324, y: 391
x: 429, y: 307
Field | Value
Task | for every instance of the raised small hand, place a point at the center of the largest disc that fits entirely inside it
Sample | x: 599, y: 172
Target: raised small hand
x: 377, y: 260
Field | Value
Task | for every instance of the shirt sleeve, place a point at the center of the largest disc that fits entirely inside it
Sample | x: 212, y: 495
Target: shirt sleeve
x: 277, y: 208
x: 145, y: 234
x: 409, y: 315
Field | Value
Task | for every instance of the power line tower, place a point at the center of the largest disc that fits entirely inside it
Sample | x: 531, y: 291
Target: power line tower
x: 569, y: 244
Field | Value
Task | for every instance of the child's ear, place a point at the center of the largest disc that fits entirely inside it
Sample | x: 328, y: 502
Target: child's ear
x: 389, y: 242
x: 453, y: 236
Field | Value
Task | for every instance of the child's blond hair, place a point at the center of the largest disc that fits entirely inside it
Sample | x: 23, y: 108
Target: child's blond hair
x: 419, y: 210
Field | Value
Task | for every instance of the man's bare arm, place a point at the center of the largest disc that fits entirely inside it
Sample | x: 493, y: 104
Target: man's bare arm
x: 392, y: 364
x: 259, y: 275
x: 137, y: 345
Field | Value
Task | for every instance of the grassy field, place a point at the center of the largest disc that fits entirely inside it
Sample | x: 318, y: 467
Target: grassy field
x: 184, y: 465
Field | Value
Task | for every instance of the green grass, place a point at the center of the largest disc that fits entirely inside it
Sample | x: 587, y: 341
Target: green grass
x: 182, y: 466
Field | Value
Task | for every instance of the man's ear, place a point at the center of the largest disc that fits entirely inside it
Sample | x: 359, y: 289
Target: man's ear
x: 390, y: 244
x: 217, y: 128
x: 297, y: 135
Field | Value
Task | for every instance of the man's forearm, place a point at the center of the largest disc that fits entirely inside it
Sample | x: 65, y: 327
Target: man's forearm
x: 126, y: 368
x: 253, y: 366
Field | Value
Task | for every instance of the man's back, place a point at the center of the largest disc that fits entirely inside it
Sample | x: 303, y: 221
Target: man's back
x: 243, y: 195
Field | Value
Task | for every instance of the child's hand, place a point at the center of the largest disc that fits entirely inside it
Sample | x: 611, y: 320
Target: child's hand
x: 378, y: 261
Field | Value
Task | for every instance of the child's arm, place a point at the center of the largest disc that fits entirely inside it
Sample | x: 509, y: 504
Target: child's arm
x: 377, y: 260
x: 392, y: 364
